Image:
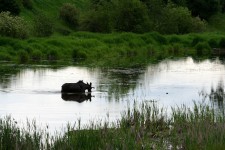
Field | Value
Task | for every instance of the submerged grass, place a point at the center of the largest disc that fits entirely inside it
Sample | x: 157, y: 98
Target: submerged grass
x: 145, y: 126
x: 116, y: 49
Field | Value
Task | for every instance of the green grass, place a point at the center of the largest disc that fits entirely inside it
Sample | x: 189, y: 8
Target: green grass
x: 115, y: 49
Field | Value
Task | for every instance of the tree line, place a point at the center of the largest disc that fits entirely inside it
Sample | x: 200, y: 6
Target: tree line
x: 139, y: 16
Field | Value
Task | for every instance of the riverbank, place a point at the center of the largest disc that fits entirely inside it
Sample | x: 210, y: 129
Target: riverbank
x: 143, y: 127
x: 116, y: 49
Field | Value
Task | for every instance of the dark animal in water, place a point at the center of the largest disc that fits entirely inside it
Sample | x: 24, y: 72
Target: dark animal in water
x: 78, y: 97
x: 78, y: 87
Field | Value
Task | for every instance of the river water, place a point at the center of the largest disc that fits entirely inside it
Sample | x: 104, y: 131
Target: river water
x: 34, y: 92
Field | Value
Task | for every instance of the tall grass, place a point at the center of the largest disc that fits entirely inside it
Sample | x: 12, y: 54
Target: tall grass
x: 110, y: 49
x: 144, y: 126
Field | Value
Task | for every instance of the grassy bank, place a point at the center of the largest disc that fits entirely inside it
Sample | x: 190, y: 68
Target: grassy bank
x: 143, y: 127
x: 116, y: 49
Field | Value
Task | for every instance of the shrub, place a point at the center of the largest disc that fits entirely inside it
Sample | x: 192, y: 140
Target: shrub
x: 69, y: 14
x: 23, y: 56
x: 198, y: 25
x: 159, y: 38
x: 99, y: 20
x: 196, y: 40
x: 43, y: 25
x: 132, y: 16
x: 77, y: 54
x: 36, y: 55
x: 52, y: 55
x: 12, y: 6
x: 5, y: 57
x: 13, y: 26
x: 177, y: 19
x: 213, y: 43
x: 203, y: 48
x: 27, y: 4
x: 222, y: 43
x: 174, y: 39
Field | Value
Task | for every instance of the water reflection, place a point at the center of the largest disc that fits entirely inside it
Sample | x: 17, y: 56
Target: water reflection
x: 217, y: 97
x: 118, y: 82
x: 80, y: 98
x: 35, y: 91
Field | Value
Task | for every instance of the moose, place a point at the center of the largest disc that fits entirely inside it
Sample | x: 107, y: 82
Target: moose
x: 78, y: 87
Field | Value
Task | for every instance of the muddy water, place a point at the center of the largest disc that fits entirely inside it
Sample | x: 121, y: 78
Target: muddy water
x: 34, y: 92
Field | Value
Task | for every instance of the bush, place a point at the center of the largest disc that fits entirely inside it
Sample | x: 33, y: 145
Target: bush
x: 23, y: 56
x: 132, y: 16
x: 76, y: 55
x: 196, y: 40
x: 43, y: 25
x: 213, y: 43
x: 99, y: 19
x: 203, y: 48
x: 176, y: 19
x: 222, y: 43
x: 12, y: 6
x: 13, y: 26
x: 28, y: 4
x: 5, y: 57
x: 52, y: 55
x: 36, y: 55
x: 159, y: 38
x: 69, y: 14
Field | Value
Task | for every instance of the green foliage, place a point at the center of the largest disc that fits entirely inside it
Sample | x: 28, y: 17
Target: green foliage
x: 178, y: 20
x: 132, y: 16
x: 158, y: 38
x: 196, y: 40
x: 70, y: 14
x: 222, y: 43
x: 5, y: 56
x: 13, y: 26
x: 52, y: 55
x: 99, y: 18
x: 217, y: 21
x: 43, y: 25
x: 12, y: 6
x: 78, y: 55
x: 36, y: 55
x: 213, y: 43
x: 204, y: 8
x: 27, y: 4
x: 203, y: 48
x: 23, y: 56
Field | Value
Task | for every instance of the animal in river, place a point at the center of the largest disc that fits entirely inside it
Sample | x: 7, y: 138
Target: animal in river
x: 78, y: 87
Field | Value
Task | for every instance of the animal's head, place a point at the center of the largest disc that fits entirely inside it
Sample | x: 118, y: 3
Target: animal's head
x: 89, y: 87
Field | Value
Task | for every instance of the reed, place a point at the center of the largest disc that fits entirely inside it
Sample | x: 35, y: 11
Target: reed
x: 144, y: 126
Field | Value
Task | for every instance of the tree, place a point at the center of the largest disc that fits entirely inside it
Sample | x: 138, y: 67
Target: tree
x: 12, y: 6
x: 132, y: 16
x: 70, y: 14
x: 204, y: 8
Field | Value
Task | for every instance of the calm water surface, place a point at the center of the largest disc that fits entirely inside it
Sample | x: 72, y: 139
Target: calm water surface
x: 34, y: 92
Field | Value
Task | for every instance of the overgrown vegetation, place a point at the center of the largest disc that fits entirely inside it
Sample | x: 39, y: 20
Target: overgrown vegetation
x: 13, y: 26
x: 116, y: 49
x: 143, y: 127
x: 107, y: 16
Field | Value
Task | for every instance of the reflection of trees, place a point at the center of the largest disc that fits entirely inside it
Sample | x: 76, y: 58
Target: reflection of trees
x: 6, y: 72
x: 119, y: 82
x: 217, y: 97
